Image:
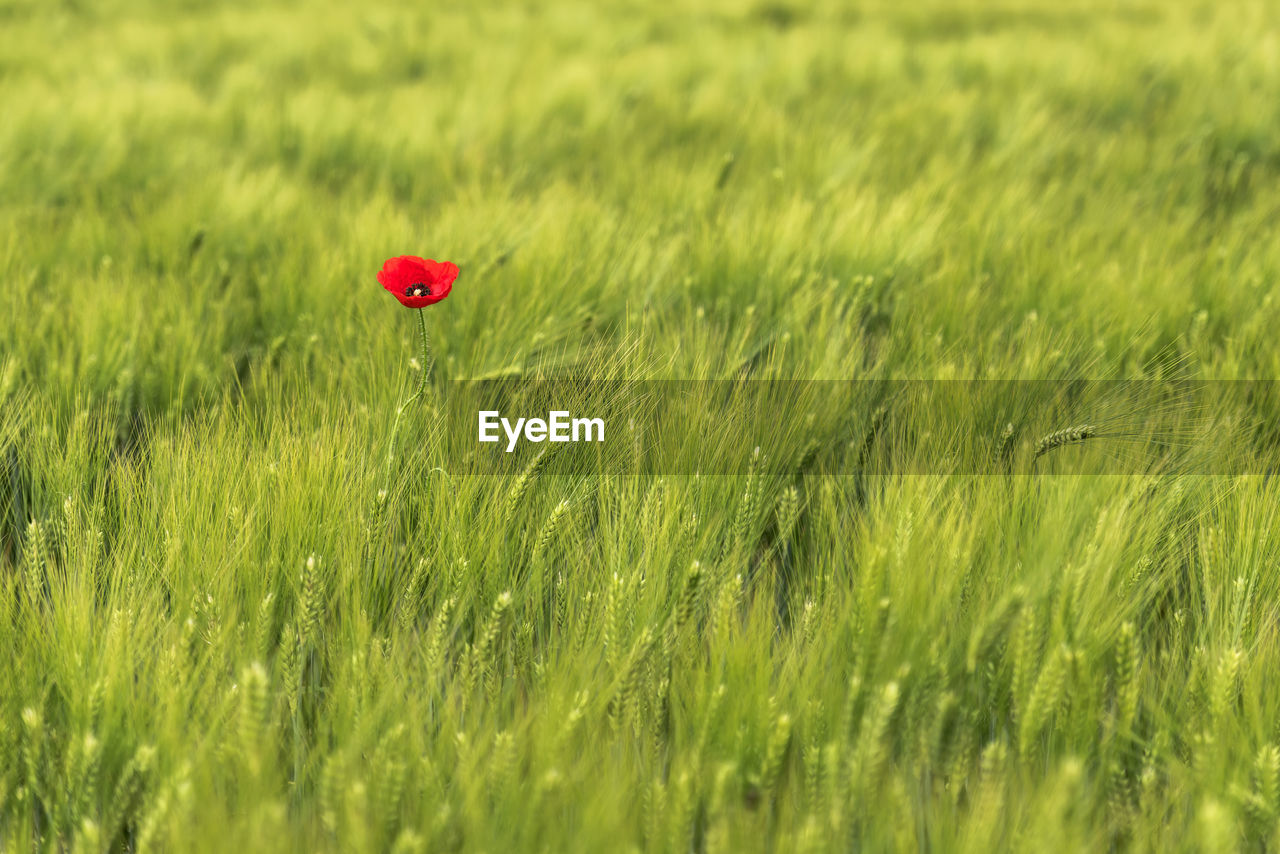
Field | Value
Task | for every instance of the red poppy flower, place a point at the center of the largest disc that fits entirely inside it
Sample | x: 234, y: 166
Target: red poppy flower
x: 417, y: 282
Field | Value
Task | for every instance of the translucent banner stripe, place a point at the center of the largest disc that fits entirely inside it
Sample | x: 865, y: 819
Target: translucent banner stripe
x: 874, y: 427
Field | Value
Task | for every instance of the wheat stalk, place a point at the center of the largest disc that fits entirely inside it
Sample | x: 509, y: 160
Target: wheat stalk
x: 613, y: 621
x: 255, y: 713
x: 1002, y: 453
x: 480, y: 665
x: 435, y: 648
x: 34, y: 558
x: 129, y: 791
x: 775, y: 752
x: 309, y: 601
x: 1066, y: 436
x: 548, y: 531
x: 388, y: 784
x: 1267, y: 774
x: 872, y: 749
x: 88, y: 766
x: 518, y: 488
x: 1127, y: 664
x: 264, y: 634
x: 1047, y: 697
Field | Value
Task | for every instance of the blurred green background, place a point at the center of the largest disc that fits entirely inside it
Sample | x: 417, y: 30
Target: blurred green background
x: 198, y: 374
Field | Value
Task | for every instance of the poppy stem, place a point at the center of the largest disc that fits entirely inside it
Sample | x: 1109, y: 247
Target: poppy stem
x: 426, y: 351
x: 422, y: 387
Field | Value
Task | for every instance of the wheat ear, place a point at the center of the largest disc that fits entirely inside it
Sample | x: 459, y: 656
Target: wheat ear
x: 1067, y: 436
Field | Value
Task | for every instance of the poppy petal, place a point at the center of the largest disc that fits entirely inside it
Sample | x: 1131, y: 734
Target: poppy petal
x: 402, y: 272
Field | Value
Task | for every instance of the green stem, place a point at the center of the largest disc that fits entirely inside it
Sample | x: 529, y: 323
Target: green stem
x: 426, y: 351
x: 422, y: 387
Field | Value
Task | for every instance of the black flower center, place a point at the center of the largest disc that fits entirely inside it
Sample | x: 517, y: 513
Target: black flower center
x: 418, y: 290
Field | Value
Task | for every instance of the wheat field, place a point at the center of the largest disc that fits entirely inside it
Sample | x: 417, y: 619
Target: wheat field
x: 236, y: 617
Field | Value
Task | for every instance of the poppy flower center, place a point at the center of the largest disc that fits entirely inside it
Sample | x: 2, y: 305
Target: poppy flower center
x: 418, y: 290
